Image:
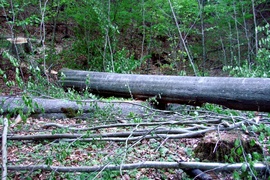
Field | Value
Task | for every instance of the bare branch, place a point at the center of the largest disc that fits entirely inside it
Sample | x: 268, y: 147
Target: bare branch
x: 146, y: 164
x: 192, y: 122
x: 120, y: 136
x: 4, y: 149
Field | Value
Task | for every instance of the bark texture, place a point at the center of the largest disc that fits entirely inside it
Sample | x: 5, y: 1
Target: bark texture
x: 59, y: 108
x: 236, y: 93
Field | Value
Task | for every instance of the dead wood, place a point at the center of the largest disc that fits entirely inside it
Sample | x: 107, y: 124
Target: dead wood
x: 59, y: 108
x: 147, y: 164
x: 125, y: 136
x: 19, y: 46
x: 4, y: 149
x: 236, y: 93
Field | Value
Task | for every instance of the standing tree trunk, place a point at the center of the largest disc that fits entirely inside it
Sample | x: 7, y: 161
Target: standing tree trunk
x: 255, y: 27
x: 237, y: 34
x: 201, y: 6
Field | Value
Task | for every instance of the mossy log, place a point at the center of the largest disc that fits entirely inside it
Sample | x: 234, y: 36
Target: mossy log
x: 236, y: 93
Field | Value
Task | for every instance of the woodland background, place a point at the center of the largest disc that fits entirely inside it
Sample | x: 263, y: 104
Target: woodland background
x: 197, y: 37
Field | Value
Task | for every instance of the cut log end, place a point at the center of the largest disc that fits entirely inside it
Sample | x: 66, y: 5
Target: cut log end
x: 19, y: 46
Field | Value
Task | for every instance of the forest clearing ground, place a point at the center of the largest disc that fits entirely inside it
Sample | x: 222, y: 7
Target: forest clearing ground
x: 77, y: 152
x: 93, y: 153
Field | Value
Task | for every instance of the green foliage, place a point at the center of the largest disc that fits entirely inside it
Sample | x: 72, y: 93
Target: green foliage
x: 122, y: 63
x: 260, y: 68
x: 101, y: 29
x: 248, y: 159
x: 93, y: 25
x: 113, y: 36
x: 220, y: 109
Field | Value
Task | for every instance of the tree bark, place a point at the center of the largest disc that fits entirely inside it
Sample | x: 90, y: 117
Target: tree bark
x: 236, y: 93
x: 58, y: 108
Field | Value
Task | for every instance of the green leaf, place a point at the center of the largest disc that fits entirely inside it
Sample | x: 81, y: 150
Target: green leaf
x: 244, y: 167
x: 244, y: 127
x: 252, y: 142
x: 236, y: 175
x: 256, y: 156
x: 231, y: 160
x: 254, y: 128
x: 262, y: 136
x: 239, y: 151
x: 236, y: 143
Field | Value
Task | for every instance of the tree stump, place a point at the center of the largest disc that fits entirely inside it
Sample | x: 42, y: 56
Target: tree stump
x: 19, y: 46
x: 215, y: 146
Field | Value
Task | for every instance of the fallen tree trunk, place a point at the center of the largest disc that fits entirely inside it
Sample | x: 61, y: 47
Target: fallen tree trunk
x: 236, y: 93
x: 58, y: 108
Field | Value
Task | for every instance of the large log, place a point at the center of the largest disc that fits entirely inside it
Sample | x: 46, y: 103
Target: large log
x: 236, y: 93
x: 58, y: 108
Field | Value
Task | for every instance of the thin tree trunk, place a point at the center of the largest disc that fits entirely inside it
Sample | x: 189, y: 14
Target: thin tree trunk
x: 237, y: 34
x: 42, y: 7
x: 183, y: 41
x: 143, y: 40
x: 108, y: 36
x: 225, y: 63
x: 255, y: 25
x: 231, y: 44
x: 250, y: 51
x: 201, y: 7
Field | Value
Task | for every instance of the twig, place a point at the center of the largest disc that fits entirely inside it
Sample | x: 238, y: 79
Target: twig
x: 4, y: 149
x: 126, y: 148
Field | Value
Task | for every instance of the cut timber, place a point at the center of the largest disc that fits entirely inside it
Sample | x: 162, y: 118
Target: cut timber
x: 236, y: 93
